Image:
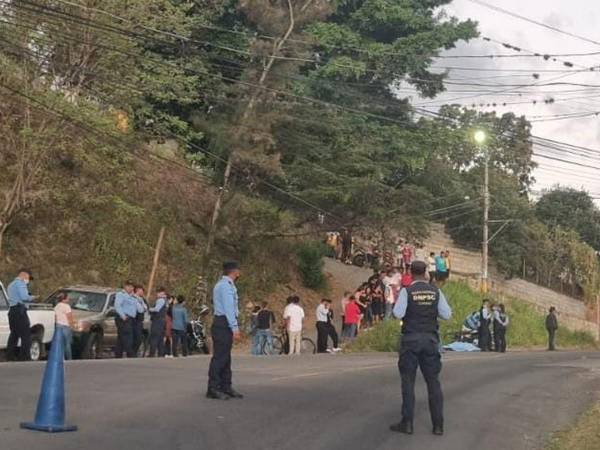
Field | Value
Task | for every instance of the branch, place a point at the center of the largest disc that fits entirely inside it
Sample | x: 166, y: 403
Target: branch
x: 306, y: 5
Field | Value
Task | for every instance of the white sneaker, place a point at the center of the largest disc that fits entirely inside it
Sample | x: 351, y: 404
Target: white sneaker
x: 329, y: 350
x: 337, y: 349
x: 168, y: 356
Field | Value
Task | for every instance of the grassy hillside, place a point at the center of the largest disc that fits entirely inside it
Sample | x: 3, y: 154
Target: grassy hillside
x: 85, y: 236
x: 526, y: 328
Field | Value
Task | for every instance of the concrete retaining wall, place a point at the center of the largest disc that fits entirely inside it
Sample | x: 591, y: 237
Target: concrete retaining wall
x: 466, y: 265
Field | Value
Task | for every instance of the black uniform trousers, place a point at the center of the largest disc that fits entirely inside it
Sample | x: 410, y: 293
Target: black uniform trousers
x: 219, y: 372
x: 138, y: 333
x: 20, y: 328
x: 421, y: 350
x: 500, y: 338
x: 157, y: 337
x: 325, y: 330
x: 551, y: 339
x: 485, y: 339
x: 322, y: 337
x: 124, y: 337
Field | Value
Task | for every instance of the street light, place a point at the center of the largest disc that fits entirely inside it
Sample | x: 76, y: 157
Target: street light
x: 480, y: 138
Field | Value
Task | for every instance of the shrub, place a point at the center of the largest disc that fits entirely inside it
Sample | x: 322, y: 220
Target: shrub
x: 310, y: 263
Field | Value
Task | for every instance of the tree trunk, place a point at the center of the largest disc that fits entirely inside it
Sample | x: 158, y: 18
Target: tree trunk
x: 248, y: 110
x: 3, y: 227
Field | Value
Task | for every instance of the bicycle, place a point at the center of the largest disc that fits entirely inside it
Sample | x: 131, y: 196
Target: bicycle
x: 281, y: 345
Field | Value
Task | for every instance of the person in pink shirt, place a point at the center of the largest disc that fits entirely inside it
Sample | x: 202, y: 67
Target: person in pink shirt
x: 64, y: 321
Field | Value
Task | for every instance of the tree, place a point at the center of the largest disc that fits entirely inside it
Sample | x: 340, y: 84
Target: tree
x: 570, y: 209
x: 356, y: 146
x: 151, y: 79
x: 40, y: 145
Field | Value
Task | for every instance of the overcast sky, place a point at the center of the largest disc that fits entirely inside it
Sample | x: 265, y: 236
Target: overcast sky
x: 577, y: 16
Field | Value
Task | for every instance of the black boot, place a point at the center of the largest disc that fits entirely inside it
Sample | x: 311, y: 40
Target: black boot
x: 217, y: 395
x: 405, y: 427
x: 438, y: 430
x: 232, y: 393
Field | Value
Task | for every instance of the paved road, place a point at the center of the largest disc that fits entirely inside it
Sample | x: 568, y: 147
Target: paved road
x: 329, y: 402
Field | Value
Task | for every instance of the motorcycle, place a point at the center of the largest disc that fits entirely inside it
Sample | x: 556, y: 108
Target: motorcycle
x: 196, y: 333
x: 467, y: 334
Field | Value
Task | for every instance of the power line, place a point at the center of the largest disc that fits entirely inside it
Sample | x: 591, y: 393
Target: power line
x: 409, y: 79
x: 204, y: 150
x: 535, y: 22
x: 318, y: 101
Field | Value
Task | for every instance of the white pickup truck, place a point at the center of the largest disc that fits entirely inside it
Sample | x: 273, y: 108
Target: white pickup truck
x: 41, y: 317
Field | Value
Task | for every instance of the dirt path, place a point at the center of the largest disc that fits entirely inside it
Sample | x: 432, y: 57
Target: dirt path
x: 343, y: 277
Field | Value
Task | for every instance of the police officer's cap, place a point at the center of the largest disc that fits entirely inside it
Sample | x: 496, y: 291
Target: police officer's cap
x: 230, y: 266
x: 418, y: 267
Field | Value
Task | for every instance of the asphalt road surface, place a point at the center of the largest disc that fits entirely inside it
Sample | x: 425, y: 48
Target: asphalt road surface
x: 343, y: 402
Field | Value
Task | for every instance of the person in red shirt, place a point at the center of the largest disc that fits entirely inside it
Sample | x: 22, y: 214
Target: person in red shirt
x: 352, y: 317
x: 407, y: 278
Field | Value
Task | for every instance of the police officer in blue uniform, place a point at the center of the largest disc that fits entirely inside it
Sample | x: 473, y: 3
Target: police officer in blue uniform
x: 419, y: 306
x: 138, y: 328
x: 158, y: 316
x: 126, y: 309
x: 224, y: 330
x: 18, y: 320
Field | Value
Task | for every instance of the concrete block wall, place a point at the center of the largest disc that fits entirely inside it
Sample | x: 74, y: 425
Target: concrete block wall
x: 466, y: 265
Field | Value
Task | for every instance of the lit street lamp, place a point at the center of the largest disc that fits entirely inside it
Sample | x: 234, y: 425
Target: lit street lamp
x: 480, y: 137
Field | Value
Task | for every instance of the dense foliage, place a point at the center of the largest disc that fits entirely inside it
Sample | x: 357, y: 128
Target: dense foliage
x: 296, y: 108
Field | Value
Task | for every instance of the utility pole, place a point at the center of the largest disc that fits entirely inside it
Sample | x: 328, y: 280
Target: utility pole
x: 486, y: 218
x: 480, y: 137
x: 155, y: 261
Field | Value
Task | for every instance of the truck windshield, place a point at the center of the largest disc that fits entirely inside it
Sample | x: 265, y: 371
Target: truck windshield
x: 81, y: 300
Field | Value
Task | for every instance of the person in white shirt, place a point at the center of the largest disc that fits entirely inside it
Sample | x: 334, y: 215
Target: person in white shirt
x: 294, y: 316
x: 391, y: 283
x: 431, y: 267
x: 64, y: 320
x: 325, y: 328
x: 389, y: 277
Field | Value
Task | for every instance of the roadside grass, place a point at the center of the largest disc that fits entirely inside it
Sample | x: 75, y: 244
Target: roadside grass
x: 381, y: 338
x: 526, y: 327
x: 583, y: 435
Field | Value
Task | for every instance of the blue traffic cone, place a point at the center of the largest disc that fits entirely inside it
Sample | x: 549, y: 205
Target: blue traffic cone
x: 50, y: 413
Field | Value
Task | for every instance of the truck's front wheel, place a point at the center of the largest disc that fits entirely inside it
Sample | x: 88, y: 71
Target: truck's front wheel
x: 36, y: 351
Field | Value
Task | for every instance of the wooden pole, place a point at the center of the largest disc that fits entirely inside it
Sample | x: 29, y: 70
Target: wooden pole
x: 598, y: 315
x: 155, y: 260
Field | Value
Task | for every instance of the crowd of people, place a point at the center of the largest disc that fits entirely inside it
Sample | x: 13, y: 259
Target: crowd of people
x: 168, y: 327
x: 263, y: 322
x: 374, y: 252
x: 370, y: 303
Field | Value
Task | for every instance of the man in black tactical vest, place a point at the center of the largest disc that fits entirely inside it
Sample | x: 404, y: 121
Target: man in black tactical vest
x: 419, y: 306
